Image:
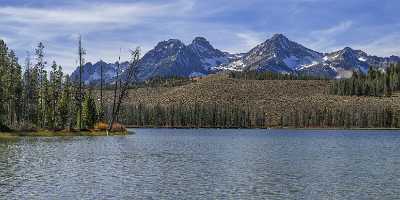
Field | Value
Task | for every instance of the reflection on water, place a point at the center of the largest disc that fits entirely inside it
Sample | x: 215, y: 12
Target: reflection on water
x: 204, y: 164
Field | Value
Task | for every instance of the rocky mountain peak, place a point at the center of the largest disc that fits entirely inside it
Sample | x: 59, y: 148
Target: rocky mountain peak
x: 201, y: 41
x: 348, y: 53
x: 280, y: 41
x: 171, y: 44
x: 201, y: 45
x: 279, y: 38
x: 208, y: 55
x: 348, y: 49
x: 277, y: 54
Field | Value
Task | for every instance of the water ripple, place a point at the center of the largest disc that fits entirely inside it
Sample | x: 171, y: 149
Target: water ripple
x: 204, y: 164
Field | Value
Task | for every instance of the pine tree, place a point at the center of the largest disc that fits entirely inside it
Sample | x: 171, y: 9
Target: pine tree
x: 31, y: 91
x: 3, y: 75
x: 56, y: 76
x: 89, y: 112
x: 47, y: 109
x: 65, y: 106
x: 42, y: 78
x: 15, y: 90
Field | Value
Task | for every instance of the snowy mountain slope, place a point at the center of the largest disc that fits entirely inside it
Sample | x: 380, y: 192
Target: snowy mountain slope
x: 167, y: 58
x: 277, y: 54
x: 208, y: 55
x: 92, y: 72
x: 170, y: 58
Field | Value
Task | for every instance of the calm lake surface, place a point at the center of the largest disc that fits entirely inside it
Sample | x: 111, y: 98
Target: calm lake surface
x: 205, y: 164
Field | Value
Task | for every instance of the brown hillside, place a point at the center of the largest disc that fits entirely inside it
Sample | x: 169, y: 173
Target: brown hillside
x: 272, y: 96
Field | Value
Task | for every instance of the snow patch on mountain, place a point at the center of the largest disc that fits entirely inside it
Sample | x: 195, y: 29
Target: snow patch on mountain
x: 362, y: 59
x: 208, y: 55
x: 277, y: 54
x: 312, y: 64
x: 212, y: 63
x: 236, y: 65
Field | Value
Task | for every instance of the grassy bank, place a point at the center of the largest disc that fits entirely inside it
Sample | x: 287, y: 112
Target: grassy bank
x: 48, y: 133
x: 266, y: 128
x: 347, y: 129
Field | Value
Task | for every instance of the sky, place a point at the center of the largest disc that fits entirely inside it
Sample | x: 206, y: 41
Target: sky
x: 111, y: 27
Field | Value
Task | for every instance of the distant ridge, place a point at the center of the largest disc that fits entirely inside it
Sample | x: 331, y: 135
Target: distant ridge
x: 277, y: 54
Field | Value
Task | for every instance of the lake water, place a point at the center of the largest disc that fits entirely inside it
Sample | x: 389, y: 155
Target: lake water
x: 205, y: 164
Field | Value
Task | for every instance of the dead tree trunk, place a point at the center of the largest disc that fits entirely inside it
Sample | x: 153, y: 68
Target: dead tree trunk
x: 124, y: 82
x: 101, y: 93
x: 81, y: 53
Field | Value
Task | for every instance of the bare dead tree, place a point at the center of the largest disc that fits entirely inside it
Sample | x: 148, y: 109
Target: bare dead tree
x: 117, y: 81
x: 124, y: 82
x: 81, y: 53
x: 101, y: 90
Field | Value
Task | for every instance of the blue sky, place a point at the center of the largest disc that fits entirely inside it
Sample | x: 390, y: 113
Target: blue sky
x: 110, y: 28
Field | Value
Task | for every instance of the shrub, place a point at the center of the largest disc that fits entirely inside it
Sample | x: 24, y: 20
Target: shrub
x: 118, y: 127
x: 104, y: 126
x: 101, y: 126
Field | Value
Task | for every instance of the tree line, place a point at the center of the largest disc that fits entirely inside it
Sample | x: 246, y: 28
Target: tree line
x: 268, y: 75
x: 158, y: 81
x: 192, y: 116
x: 375, y: 83
x: 35, y: 98
x: 239, y: 116
x: 342, y: 117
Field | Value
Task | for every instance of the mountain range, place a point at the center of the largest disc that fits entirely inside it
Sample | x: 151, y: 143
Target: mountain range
x: 277, y: 54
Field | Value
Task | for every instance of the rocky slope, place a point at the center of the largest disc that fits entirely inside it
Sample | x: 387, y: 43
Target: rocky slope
x: 277, y: 54
x: 167, y: 58
x: 274, y: 97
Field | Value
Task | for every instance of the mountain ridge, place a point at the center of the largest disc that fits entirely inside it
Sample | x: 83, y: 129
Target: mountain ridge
x: 277, y: 54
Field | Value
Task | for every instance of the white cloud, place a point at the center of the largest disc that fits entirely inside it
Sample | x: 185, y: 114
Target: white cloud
x: 339, y: 28
x: 376, y: 43
x: 325, y: 39
x: 58, y: 27
x: 250, y: 39
x: 106, y: 27
x: 83, y: 15
x: 384, y: 46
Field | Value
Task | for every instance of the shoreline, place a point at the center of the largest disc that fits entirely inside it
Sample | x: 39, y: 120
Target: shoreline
x: 13, y: 135
x: 275, y: 128
x: 46, y: 133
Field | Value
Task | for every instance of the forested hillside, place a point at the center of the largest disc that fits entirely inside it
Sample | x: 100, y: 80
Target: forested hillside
x: 221, y: 101
x: 375, y: 83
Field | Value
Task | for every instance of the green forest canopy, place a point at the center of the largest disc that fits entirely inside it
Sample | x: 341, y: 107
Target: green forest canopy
x: 35, y: 98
